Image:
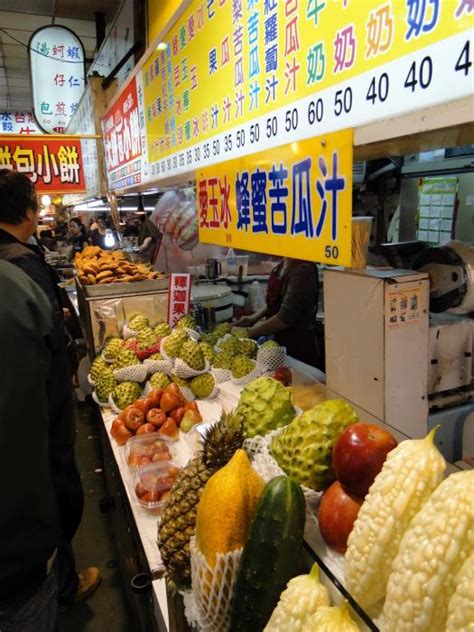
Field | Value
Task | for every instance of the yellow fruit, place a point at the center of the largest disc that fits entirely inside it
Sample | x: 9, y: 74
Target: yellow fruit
x: 227, y: 507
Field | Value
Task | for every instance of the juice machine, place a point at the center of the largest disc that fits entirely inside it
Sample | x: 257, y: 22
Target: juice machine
x: 406, y: 358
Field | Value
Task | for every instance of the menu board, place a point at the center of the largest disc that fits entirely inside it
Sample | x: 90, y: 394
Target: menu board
x: 233, y: 77
x: 437, y: 203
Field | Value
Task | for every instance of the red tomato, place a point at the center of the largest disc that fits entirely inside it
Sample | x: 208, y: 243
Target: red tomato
x: 144, y: 460
x: 134, y: 418
x: 156, y: 416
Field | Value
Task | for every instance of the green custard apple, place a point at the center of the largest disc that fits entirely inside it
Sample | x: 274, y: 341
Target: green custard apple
x: 186, y: 322
x: 97, y: 367
x: 270, y: 344
x: 264, y: 405
x: 125, y: 358
x: 105, y: 384
x: 203, y: 385
x: 180, y: 381
x: 304, y: 448
x: 126, y: 393
x: 222, y: 360
x: 242, y: 366
x: 207, y: 350
x: 146, y: 338
x: 230, y: 345
x: 162, y: 330
x: 192, y: 355
x: 138, y: 321
x: 112, y: 348
x: 159, y: 380
x: 174, y: 342
x: 248, y: 347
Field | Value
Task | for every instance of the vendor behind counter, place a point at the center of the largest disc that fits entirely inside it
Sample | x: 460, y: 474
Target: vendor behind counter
x: 290, y: 310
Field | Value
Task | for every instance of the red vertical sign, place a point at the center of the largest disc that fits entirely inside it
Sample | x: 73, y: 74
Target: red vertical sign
x: 179, y: 297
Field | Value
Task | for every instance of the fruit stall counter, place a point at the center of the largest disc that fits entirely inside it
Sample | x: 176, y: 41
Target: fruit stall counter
x: 136, y: 530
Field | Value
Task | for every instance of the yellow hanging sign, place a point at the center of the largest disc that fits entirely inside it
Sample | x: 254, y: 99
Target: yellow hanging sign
x: 233, y: 77
x: 294, y: 201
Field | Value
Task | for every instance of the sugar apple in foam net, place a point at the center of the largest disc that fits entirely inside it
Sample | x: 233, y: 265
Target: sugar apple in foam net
x: 126, y: 393
x: 264, y: 405
x: 192, y: 355
x: 203, y: 385
x: 304, y: 448
x: 242, y: 366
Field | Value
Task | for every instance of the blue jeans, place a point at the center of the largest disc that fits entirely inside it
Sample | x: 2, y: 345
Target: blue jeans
x: 36, y: 614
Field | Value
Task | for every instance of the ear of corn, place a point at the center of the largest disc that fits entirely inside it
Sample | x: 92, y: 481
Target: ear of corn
x: 431, y: 555
x: 298, y: 602
x: 461, y: 604
x: 331, y: 619
x: 409, y: 475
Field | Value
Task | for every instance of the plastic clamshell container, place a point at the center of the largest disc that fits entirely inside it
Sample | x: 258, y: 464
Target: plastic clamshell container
x: 149, y: 446
x: 152, y: 481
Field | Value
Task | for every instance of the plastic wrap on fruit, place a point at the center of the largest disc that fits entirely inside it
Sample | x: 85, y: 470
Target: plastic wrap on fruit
x: 176, y: 217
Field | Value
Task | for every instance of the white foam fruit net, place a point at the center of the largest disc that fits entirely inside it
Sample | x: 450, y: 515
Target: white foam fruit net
x: 271, y: 359
x: 163, y: 352
x: 192, y: 333
x: 90, y: 380
x: 134, y: 373
x: 250, y: 377
x: 127, y: 332
x: 98, y: 402
x: 221, y: 375
x: 183, y: 370
x: 163, y: 366
x: 209, y: 604
x: 258, y: 449
x: 187, y: 393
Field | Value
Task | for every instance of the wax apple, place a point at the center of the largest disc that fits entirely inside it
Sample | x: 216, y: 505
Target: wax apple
x: 359, y: 454
x: 337, y: 513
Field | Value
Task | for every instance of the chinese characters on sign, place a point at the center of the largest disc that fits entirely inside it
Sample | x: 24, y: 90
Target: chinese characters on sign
x: 179, y: 297
x: 53, y: 165
x: 122, y: 140
x: 58, y: 76
x: 293, y: 201
x: 233, y: 77
x: 22, y: 123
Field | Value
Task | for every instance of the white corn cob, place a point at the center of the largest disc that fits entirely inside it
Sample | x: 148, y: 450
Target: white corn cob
x: 431, y: 554
x: 331, y: 619
x: 409, y: 475
x: 461, y: 604
x: 298, y: 602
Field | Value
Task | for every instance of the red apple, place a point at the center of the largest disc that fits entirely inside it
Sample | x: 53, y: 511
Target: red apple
x: 359, y: 454
x: 337, y: 513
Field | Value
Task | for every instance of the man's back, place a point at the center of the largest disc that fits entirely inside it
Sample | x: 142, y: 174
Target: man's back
x: 29, y: 519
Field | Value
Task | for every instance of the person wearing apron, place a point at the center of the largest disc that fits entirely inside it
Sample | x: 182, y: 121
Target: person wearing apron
x: 290, y: 310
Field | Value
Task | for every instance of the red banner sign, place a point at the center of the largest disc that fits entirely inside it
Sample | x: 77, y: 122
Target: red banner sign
x: 123, y: 147
x: 54, y: 165
x: 179, y: 297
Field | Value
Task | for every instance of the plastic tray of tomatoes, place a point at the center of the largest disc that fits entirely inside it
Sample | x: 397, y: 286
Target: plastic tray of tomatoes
x: 146, y: 449
x: 152, y: 484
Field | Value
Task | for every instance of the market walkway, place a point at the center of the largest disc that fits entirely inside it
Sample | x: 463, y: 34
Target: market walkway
x: 93, y: 543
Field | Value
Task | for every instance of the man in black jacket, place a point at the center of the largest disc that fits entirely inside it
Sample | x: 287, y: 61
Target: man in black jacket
x: 29, y: 520
x: 18, y: 221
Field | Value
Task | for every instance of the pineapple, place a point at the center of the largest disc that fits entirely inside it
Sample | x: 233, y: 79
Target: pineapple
x: 179, y: 517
